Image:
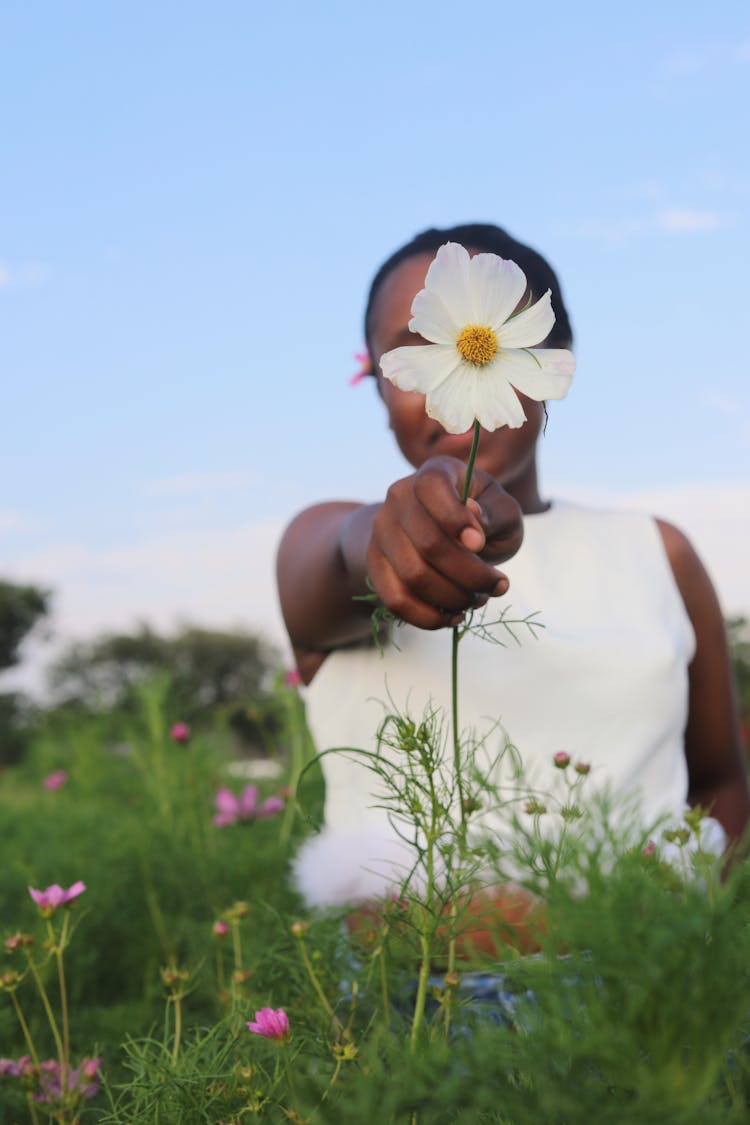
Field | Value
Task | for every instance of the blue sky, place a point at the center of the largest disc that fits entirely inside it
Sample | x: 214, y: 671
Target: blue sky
x: 193, y: 199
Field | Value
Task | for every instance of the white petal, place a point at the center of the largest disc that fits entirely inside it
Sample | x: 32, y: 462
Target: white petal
x: 496, y: 403
x: 452, y: 401
x: 530, y: 326
x: 431, y: 319
x: 497, y: 285
x: 448, y: 278
x: 419, y: 367
x: 542, y: 373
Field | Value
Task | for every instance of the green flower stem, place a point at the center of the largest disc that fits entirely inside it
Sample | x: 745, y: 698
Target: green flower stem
x: 33, y: 1115
x: 47, y: 1008
x: 220, y: 968
x: 59, y: 948
x: 451, y: 966
x: 24, y: 1028
x: 236, y: 943
x: 384, y: 984
x: 177, y: 1001
x: 454, y: 655
x: 334, y: 1077
x: 317, y: 986
x: 470, y: 462
x: 288, y: 1070
x: 425, y: 945
x: 299, y: 755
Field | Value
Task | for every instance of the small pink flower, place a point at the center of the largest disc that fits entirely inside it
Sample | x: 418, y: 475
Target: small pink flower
x: 650, y: 848
x: 365, y: 368
x: 220, y: 929
x: 55, y: 780
x: 583, y: 768
x: 270, y: 807
x: 180, y: 732
x: 18, y: 941
x: 230, y: 808
x: 270, y: 1024
x: 561, y: 760
x: 53, y: 897
x: 292, y: 678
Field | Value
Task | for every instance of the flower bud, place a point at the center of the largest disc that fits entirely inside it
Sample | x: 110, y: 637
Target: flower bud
x: 17, y: 941
x: 561, y: 760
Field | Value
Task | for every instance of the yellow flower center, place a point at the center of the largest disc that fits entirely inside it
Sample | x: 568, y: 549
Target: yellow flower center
x: 477, y: 344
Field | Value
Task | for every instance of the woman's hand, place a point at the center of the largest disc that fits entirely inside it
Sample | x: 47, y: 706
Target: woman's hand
x: 429, y: 556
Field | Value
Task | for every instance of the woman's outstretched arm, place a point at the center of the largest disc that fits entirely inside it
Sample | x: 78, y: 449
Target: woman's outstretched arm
x: 428, y: 556
x: 716, y: 766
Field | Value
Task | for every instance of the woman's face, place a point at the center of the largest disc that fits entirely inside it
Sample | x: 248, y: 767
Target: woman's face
x: 508, y: 455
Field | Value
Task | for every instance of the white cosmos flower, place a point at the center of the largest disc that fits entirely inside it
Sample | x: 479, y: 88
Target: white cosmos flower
x: 479, y: 351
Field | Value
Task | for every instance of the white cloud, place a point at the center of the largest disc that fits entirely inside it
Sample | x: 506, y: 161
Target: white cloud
x: 683, y: 220
x: 186, y: 484
x: 670, y: 220
x: 215, y: 579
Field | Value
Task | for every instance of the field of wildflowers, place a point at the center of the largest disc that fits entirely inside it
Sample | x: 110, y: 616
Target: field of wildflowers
x: 157, y: 965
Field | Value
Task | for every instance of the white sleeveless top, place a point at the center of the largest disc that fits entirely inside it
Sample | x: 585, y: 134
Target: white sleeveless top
x: 606, y: 680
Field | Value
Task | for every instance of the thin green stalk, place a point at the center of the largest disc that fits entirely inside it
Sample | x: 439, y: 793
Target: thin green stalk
x: 294, y: 726
x: 177, y: 1001
x: 450, y: 975
x: 220, y: 968
x: 289, y: 1078
x: 59, y: 948
x: 48, y: 1010
x: 470, y: 462
x: 236, y: 943
x: 454, y: 655
x: 425, y: 945
x: 33, y: 1115
x: 317, y: 986
x: 24, y: 1028
x: 384, y: 988
x: 456, y: 736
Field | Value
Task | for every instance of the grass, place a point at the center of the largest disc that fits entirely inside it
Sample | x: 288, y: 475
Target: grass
x: 635, y: 1011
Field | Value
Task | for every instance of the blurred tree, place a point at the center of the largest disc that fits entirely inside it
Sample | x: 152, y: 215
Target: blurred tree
x: 738, y: 629
x: 210, y: 672
x: 21, y: 607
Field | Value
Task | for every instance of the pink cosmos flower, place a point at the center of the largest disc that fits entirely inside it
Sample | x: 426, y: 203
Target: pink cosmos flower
x: 270, y: 807
x: 180, y: 732
x: 53, y: 897
x: 365, y: 368
x: 55, y: 780
x: 270, y: 1024
x: 230, y: 808
x: 292, y: 678
x: 561, y: 759
x: 82, y: 1081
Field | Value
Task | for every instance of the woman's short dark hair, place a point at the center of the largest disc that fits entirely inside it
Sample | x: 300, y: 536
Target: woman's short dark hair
x: 485, y: 238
